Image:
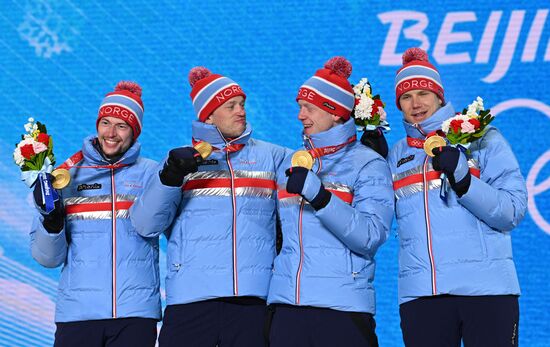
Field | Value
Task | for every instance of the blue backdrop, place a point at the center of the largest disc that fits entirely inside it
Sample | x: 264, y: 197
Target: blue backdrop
x: 58, y: 59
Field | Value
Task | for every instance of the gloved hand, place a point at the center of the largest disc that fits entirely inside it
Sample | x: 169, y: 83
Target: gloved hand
x: 376, y: 140
x: 306, y: 183
x: 453, y: 163
x: 181, y: 162
x: 54, y: 221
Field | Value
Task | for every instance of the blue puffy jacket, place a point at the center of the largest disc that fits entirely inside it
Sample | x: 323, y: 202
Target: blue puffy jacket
x: 327, y: 258
x: 109, y: 271
x: 462, y: 246
x: 220, y: 224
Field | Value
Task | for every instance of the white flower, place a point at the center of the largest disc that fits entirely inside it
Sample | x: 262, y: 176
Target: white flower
x: 358, y: 89
x: 480, y: 103
x: 445, y: 126
x: 476, y: 106
x: 17, y: 157
x: 364, y: 108
x: 31, y: 120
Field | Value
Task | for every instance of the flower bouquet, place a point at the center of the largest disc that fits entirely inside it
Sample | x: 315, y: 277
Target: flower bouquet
x: 468, y: 126
x: 461, y: 130
x: 34, y: 156
x: 369, y: 110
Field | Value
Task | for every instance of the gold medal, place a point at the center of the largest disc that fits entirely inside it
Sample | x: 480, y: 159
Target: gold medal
x: 204, y: 149
x: 61, y: 178
x: 433, y: 142
x: 302, y: 158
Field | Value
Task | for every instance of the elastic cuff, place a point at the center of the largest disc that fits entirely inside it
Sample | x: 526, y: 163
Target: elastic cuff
x: 461, y: 187
x: 321, y: 199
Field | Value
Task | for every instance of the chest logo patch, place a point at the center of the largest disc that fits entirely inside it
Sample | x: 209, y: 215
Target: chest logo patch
x: 405, y: 160
x: 209, y: 162
x: 85, y: 186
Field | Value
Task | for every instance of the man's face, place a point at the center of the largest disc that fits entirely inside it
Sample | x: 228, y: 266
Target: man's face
x: 114, y: 135
x: 229, y: 118
x: 314, y: 119
x: 418, y: 105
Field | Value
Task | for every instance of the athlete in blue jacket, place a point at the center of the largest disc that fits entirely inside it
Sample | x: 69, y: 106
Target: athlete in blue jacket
x: 219, y: 216
x: 457, y: 279
x: 109, y: 289
x: 334, y: 218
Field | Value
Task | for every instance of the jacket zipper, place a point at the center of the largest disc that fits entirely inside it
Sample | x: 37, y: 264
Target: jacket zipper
x: 299, y: 272
x: 113, y: 238
x: 428, y: 226
x: 427, y: 217
x: 234, y: 203
x: 300, y: 234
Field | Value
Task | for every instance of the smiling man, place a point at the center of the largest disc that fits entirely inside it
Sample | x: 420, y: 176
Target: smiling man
x: 457, y: 279
x: 334, y: 217
x: 219, y: 216
x: 109, y: 289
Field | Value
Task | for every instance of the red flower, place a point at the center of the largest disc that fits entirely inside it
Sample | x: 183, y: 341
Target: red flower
x: 475, y: 122
x: 456, y: 125
x: 357, y: 101
x: 27, y: 151
x: 378, y: 103
x: 374, y: 109
x: 44, y: 138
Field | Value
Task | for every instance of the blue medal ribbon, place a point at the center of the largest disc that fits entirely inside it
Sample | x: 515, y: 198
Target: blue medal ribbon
x: 49, y: 194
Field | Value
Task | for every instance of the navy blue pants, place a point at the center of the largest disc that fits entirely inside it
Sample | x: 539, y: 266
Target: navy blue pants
x: 303, y: 326
x: 121, y: 332
x: 443, y: 320
x: 214, y: 323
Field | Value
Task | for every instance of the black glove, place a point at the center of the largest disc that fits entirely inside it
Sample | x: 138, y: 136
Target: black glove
x: 453, y: 163
x: 181, y: 162
x: 55, y: 220
x: 376, y: 140
x: 304, y: 182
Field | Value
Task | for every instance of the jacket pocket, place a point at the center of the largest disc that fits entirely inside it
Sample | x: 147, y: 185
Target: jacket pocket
x: 359, y: 271
x: 482, y: 239
x: 173, y: 257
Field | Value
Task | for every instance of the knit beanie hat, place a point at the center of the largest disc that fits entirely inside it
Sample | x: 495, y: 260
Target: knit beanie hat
x: 124, y: 103
x: 209, y: 91
x: 329, y: 88
x: 417, y: 73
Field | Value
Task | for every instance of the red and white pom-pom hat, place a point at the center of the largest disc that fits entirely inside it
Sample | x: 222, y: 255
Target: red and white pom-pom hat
x: 417, y: 73
x: 209, y: 91
x: 124, y: 103
x: 329, y: 88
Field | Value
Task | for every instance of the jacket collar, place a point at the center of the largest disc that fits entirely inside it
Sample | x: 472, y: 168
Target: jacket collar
x: 93, y: 156
x: 332, y: 137
x: 211, y: 134
x: 430, y: 124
